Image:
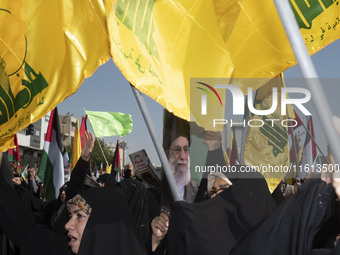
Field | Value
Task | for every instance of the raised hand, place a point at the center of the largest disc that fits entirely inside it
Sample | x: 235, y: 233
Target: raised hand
x: 88, y: 145
x: 212, y: 140
x: 159, y: 226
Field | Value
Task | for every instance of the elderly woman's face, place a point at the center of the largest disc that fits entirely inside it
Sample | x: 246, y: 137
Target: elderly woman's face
x: 75, y: 227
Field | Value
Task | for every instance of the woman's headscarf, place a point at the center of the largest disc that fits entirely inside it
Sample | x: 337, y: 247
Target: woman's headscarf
x: 108, y: 179
x: 110, y: 228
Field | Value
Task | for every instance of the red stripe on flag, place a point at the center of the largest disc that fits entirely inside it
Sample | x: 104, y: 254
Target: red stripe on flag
x: 17, y: 152
x: 82, y: 130
x: 311, y: 130
x: 50, y: 127
x: 298, y: 120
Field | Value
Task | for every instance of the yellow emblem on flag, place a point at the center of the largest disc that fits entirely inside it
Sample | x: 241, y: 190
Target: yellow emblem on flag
x: 50, y: 48
x: 266, y: 147
x: 160, y: 45
x: 256, y: 39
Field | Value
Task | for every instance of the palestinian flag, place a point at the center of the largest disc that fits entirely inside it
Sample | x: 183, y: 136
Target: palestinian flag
x: 116, y: 161
x: 13, y: 153
x: 309, y: 152
x: 82, y: 130
x: 51, y: 169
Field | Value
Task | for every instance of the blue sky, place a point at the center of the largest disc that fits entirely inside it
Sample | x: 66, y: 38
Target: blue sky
x: 108, y: 90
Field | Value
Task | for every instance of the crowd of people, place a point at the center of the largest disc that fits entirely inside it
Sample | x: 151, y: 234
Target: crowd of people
x: 225, y: 214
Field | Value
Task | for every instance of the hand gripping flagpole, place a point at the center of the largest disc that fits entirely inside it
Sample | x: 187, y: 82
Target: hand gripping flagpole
x: 156, y: 142
x: 309, y: 73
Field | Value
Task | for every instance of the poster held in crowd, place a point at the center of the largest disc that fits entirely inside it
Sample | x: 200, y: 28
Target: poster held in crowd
x: 144, y: 168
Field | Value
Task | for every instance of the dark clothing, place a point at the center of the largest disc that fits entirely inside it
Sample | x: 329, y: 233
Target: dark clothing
x: 108, y: 179
x: 278, y: 195
x: 291, y: 227
x: 33, y: 205
x: 162, y: 248
x: 77, y: 179
x: 143, y: 204
x: 109, y: 229
x: 20, y: 228
x: 329, y: 227
x: 214, y: 158
x: 214, y: 226
x: 46, y: 214
x: 56, y: 216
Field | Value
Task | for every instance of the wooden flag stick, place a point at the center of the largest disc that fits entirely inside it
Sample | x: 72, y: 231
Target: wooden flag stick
x: 102, y: 151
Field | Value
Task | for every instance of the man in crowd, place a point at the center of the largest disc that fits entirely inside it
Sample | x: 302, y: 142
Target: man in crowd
x: 176, y: 143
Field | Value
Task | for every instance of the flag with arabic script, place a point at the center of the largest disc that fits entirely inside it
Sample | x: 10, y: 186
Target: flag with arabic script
x: 48, y: 48
x: 160, y: 45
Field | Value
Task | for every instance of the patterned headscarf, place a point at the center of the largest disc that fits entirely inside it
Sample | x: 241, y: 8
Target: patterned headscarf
x: 79, y: 201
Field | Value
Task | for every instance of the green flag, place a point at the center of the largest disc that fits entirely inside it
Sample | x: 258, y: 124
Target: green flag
x: 110, y: 123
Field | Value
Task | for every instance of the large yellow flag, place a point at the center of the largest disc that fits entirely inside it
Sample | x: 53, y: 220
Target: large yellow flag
x: 256, y: 39
x: 266, y: 147
x: 47, y: 49
x: 160, y: 45
x: 76, y: 148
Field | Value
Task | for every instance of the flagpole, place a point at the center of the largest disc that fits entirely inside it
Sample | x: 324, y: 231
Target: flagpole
x: 309, y: 73
x: 157, y: 144
x: 294, y: 147
x: 244, y: 132
x: 107, y: 163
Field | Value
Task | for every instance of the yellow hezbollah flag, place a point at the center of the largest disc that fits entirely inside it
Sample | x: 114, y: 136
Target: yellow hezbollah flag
x: 160, y: 45
x: 47, y: 49
x: 256, y: 39
x: 266, y: 147
x: 10, y: 144
x: 76, y: 148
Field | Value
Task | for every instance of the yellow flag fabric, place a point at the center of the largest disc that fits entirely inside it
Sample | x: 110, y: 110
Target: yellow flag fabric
x: 47, y: 49
x: 226, y: 158
x: 256, y: 38
x: 160, y: 45
x: 10, y: 144
x: 266, y: 147
x: 76, y: 148
x: 108, y: 169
